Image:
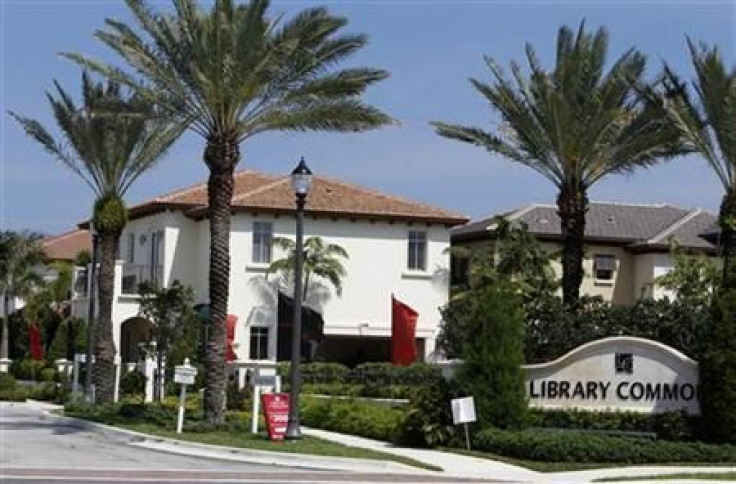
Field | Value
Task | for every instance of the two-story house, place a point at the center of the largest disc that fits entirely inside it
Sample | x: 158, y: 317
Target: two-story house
x: 627, y: 246
x: 395, y: 246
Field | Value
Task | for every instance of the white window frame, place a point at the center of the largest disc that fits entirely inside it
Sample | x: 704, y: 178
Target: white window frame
x: 261, y: 250
x: 416, y: 259
x: 597, y: 261
x: 255, y: 348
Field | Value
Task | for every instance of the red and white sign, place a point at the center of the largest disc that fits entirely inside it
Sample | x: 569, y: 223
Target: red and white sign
x: 276, y: 411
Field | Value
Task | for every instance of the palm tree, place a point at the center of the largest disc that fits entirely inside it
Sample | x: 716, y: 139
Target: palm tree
x: 320, y: 260
x: 109, y: 141
x: 228, y: 74
x: 21, y: 254
x: 574, y: 125
x: 707, y: 123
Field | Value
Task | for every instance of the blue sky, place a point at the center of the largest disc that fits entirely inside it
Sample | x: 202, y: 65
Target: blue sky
x: 431, y: 48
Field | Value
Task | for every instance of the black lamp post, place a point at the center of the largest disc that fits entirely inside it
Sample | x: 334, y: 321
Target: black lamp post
x: 92, y: 295
x: 301, y: 182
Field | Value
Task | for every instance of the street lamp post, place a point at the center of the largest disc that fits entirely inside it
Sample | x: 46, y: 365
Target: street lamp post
x: 89, y: 394
x: 301, y: 181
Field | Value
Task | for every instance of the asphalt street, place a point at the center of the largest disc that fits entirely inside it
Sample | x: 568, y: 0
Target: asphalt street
x: 38, y: 448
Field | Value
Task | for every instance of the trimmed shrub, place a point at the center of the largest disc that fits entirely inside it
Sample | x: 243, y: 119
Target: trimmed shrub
x: 581, y: 447
x: 13, y: 395
x: 493, y: 356
x: 27, y: 369
x: 7, y: 381
x: 47, y: 375
x: 718, y: 372
x: 351, y: 417
x: 668, y: 425
x: 133, y: 383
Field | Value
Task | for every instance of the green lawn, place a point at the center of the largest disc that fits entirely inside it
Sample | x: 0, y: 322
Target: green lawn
x: 713, y: 476
x: 246, y: 440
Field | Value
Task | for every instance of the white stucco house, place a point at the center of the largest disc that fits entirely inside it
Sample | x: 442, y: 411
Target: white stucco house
x: 395, y: 246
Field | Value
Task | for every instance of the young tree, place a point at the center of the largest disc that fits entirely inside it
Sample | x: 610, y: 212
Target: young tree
x: 229, y: 74
x: 21, y: 254
x: 174, y: 324
x: 492, y: 357
x: 706, y: 122
x: 574, y: 125
x: 694, y: 280
x: 109, y: 141
x: 320, y: 260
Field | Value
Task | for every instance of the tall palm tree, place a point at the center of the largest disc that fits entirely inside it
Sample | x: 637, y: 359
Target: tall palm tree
x: 320, y: 260
x: 21, y: 254
x: 228, y: 74
x: 574, y: 125
x: 707, y: 123
x: 109, y: 141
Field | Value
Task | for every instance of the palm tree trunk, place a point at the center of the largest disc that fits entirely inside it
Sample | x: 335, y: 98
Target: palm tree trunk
x: 104, y: 346
x: 6, y: 312
x: 572, y: 205
x: 221, y: 156
x: 727, y: 222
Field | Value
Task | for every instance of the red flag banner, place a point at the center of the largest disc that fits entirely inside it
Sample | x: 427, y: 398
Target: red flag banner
x: 230, y: 355
x: 403, y: 330
x: 35, y: 346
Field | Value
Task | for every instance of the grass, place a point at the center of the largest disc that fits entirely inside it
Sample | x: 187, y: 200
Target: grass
x: 246, y: 440
x: 713, y: 476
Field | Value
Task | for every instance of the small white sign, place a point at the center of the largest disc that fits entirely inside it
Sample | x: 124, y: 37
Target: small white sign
x: 185, y: 374
x: 463, y: 410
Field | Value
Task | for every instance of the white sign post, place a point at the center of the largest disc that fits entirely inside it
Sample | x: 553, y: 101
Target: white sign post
x: 262, y: 379
x: 184, y: 375
x: 463, y: 412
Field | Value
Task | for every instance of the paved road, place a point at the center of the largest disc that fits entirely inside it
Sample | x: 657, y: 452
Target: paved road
x: 36, y: 448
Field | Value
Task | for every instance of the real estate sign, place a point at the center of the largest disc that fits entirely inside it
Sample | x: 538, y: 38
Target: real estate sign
x: 619, y: 373
x: 276, y: 413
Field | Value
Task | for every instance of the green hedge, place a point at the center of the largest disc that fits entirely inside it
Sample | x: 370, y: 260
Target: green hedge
x: 668, y: 425
x: 351, y: 417
x: 7, y: 381
x: 353, y: 390
x: 13, y: 395
x: 582, y: 447
x: 367, y: 374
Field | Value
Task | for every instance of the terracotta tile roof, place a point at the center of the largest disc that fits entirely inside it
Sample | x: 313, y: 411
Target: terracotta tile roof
x: 66, y: 246
x: 329, y: 197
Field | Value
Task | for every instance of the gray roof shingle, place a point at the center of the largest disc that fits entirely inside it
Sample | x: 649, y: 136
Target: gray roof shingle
x: 631, y: 224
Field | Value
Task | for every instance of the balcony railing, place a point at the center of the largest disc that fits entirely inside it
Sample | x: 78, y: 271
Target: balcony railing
x: 135, y: 274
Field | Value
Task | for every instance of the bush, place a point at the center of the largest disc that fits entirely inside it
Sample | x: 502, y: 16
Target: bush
x: 47, y: 375
x: 580, y: 447
x: 47, y: 391
x: 352, y: 417
x: 7, y: 381
x: 492, y: 371
x: 238, y: 398
x: 26, y: 369
x: 13, y: 395
x: 133, y: 383
x: 718, y: 372
x: 668, y: 425
x: 428, y: 422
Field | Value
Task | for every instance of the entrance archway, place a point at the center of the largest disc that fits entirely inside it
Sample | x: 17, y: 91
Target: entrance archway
x: 133, y: 332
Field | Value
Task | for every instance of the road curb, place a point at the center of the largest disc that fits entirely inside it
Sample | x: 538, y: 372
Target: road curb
x: 251, y: 456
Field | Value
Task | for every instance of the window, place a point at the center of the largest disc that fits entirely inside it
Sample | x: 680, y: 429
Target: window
x: 258, y: 343
x: 604, y: 266
x: 262, y: 236
x: 417, y: 260
x: 130, y: 253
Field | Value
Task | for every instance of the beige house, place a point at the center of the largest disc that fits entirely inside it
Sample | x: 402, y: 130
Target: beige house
x: 627, y: 245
